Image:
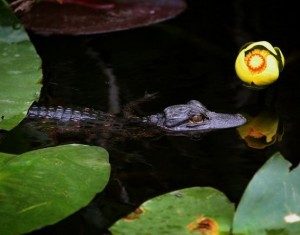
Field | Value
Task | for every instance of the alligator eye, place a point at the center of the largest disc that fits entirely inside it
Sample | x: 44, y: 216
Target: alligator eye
x: 196, y: 118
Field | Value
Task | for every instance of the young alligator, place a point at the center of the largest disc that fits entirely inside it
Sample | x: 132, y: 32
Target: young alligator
x: 183, y: 119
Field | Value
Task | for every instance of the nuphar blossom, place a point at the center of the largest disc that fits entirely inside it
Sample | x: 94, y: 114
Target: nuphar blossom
x: 258, y: 64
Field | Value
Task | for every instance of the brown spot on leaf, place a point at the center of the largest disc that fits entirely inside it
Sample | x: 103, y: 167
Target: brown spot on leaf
x: 134, y: 215
x: 204, y: 226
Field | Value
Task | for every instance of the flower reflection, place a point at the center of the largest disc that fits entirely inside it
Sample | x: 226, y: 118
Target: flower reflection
x: 262, y: 130
x: 258, y: 64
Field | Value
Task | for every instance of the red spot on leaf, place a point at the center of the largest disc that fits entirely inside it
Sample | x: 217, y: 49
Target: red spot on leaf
x: 204, y: 226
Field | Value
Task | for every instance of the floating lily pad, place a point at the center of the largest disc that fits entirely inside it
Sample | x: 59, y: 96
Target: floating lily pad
x: 199, y: 210
x: 19, y: 70
x: 10, y: 29
x: 42, y: 187
x: 4, y: 157
x: 271, y: 202
x: 51, y: 17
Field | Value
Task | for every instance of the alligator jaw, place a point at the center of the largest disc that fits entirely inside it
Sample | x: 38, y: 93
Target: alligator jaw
x: 214, y: 121
x: 217, y: 121
x: 179, y: 119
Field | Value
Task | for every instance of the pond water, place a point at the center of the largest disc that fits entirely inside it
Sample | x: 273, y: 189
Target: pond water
x: 189, y: 57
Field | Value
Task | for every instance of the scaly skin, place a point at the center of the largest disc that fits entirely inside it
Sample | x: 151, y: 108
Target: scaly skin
x: 182, y: 119
x: 193, y: 117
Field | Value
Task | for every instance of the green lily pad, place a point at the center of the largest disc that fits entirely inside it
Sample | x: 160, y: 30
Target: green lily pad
x: 42, y: 187
x: 4, y: 157
x: 11, y: 31
x: 271, y: 202
x: 20, y: 72
x: 192, y: 210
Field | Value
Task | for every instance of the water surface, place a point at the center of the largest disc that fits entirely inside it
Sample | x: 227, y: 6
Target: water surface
x: 189, y: 57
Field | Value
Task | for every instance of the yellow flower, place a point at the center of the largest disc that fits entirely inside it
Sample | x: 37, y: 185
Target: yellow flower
x: 258, y: 64
x: 262, y: 130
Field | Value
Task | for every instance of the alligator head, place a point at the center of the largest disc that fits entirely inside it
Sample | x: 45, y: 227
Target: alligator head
x: 193, y: 117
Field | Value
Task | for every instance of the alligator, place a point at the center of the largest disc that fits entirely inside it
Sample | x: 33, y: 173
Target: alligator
x: 183, y: 119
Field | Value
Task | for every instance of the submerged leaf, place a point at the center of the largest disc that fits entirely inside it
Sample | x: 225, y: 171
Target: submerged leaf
x: 41, y: 187
x: 19, y: 71
x: 192, y: 210
x: 270, y: 204
x: 90, y: 17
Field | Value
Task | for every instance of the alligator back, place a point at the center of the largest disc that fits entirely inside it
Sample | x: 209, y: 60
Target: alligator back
x: 87, y: 125
x: 66, y: 114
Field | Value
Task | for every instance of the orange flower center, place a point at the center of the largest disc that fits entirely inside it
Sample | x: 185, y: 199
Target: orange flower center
x: 255, y: 133
x: 256, y: 60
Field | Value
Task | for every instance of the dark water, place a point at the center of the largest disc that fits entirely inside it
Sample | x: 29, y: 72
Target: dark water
x: 189, y: 57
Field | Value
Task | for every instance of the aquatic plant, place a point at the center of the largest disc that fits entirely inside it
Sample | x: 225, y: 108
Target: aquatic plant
x: 258, y: 64
x: 269, y: 205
